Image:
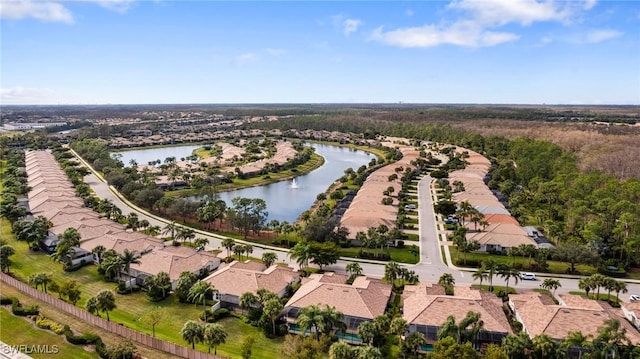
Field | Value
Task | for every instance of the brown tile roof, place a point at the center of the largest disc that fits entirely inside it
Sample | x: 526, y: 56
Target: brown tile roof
x: 423, y: 307
x: 503, y: 234
x: 236, y: 279
x: 161, y: 260
x: 367, y: 298
x: 572, y: 315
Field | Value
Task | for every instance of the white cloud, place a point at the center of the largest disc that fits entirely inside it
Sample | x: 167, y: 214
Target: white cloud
x: 480, y: 21
x: 41, y: 10
x: 245, y: 58
x: 460, y: 34
x: 21, y: 95
x: 346, y: 25
x: 595, y: 36
x: 350, y: 25
x: 120, y: 6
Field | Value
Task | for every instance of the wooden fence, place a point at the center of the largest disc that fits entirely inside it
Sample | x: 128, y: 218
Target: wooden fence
x: 111, y: 327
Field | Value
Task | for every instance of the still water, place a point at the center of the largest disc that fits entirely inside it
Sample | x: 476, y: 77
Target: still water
x: 285, y: 200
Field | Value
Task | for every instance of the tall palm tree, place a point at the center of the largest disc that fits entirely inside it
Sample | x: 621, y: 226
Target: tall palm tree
x: 200, y: 243
x: 112, y: 267
x: 491, y: 267
x: 447, y: 281
x: 127, y: 258
x: 598, y: 280
x: 480, y: 275
x: 228, y: 243
x: 367, y: 331
x: 414, y: 342
x: 310, y: 318
x: 508, y: 273
x: 301, y: 252
x: 551, y: 284
x: 269, y: 258
x: 398, y: 326
x: 92, y: 306
x: 586, y: 284
x: 332, y: 319
x: 106, y: 301
x: 620, y: 286
x: 170, y: 228
x: 391, y: 272
x: 192, y: 332
x: 199, y: 293
x: 545, y: 347
x: 272, y: 309
x: 611, y: 337
x: 214, y: 335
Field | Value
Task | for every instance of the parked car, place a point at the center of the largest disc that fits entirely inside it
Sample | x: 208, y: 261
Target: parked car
x: 450, y: 220
x: 634, y: 298
x: 527, y: 276
x: 410, y: 207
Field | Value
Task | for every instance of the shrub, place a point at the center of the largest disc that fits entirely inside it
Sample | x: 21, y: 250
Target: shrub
x: 84, y: 339
x: 18, y: 309
x: 7, y: 300
x: 400, y: 244
x: 46, y: 323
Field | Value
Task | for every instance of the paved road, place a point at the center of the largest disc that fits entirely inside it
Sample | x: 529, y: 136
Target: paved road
x: 429, y: 268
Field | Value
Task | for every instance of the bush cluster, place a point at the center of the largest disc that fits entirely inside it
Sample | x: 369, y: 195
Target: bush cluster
x: 46, y: 323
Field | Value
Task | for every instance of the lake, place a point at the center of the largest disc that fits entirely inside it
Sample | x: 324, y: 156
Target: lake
x: 285, y: 202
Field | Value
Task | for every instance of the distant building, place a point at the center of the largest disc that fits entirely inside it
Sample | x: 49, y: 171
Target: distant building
x: 25, y: 126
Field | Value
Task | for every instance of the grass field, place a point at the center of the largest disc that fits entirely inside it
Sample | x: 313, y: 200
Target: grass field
x: 131, y: 307
x: 397, y: 254
x: 554, y: 266
x: 18, y: 331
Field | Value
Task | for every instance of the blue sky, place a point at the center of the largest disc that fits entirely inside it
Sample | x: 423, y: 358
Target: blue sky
x: 462, y: 51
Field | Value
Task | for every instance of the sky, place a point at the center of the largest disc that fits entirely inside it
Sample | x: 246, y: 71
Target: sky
x: 459, y: 51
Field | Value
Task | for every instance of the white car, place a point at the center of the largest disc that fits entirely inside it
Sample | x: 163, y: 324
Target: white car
x: 527, y: 276
x: 634, y: 298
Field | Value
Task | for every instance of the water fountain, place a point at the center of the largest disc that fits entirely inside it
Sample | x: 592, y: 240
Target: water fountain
x: 294, y: 184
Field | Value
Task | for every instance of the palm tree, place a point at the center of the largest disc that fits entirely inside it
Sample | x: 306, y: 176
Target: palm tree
x: 551, y: 284
x: 332, y: 320
x: 170, y: 228
x: 414, y: 342
x: 301, y: 252
x: 40, y: 279
x: 367, y: 331
x: 508, y: 272
x: 228, y: 243
x: 577, y: 340
x: 248, y: 300
x: 310, y: 318
x: 620, y: 286
x: 586, y: 284
x: 598, y: 280
x: 354, y: 269
x: 112, y: 266
x: 517, y: 345
x: 249, y: 249
x: 480, y: 275
x: 611, y: 336
x: 545, y: 347
x: 238, y: 249
x: 214, y: 335
x: 192, y: 332
x: 391, y: 272
x: 127, y: 258
x: 199, y: 292
x: 340, y: 350
x: 269, y: 258
x: 398, y: 326
x: 447, y: 281
x: 609, y: 284
x: 92, y: 306
x: 491, y: 267
x: 98, y: 251
x: 200, y: 243
x: 272, y: 309
x: 106, y: 301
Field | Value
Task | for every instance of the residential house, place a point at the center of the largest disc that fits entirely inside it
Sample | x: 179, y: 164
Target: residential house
x: 500, y: 236
x: 540, y: 315
x: 361, y: 301
x: 173, y: 261
x: 426, y: 308
x: 237, y: 278
x: 632, y: 312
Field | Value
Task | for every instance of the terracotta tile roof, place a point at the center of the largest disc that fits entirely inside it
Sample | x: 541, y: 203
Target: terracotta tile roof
x: 503, y: 234
x: 573, y: 314
x: 422, y: 307
x: 366, y: 299
x: 44, y: 206
x: 500, y: 218
x: 62, y: 218
x: 160, y: 260
x: 89, y: 222
x: 236, y: 279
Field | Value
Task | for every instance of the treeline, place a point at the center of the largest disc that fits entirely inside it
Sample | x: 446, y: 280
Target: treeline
x: 544, y: 186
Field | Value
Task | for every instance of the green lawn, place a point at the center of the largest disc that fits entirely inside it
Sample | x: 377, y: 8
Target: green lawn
x: 496, y: 288
x: 129, y: 307
x: 18, y: 331
x: 554, y: 266
x: 397, y: 254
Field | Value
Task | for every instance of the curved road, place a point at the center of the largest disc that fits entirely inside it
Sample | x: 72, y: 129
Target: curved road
x: 430, y: 266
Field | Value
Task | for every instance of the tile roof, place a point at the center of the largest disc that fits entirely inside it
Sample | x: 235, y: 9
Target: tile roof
x: 424, y: 307
x: 573, y: 314
x: 161, y: 260
x: 237, y: 278
x: 365, y: 298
